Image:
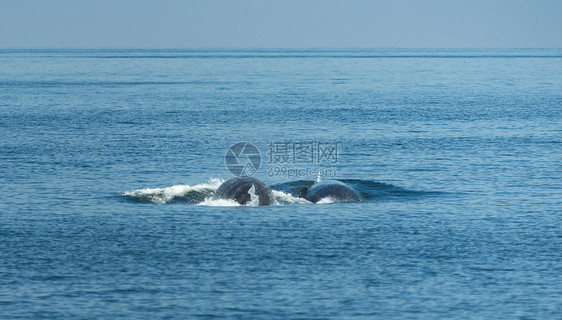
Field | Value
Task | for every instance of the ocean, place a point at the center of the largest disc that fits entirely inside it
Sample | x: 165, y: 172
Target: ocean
x: 110, y: 159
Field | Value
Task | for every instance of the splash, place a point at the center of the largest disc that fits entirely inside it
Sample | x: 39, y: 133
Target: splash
x: 327, y: 200
x: 254, y: 198
x: 186, y: 193
x: 282, y: 198
x: 211, y: 202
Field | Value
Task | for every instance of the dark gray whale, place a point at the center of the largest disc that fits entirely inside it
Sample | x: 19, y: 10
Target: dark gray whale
x: 333, y: 189
x: 238, y: 189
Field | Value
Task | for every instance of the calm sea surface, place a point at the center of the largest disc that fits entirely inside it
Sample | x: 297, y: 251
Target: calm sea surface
x: 109, y: 160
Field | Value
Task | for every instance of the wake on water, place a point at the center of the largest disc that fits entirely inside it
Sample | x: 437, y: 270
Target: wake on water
x: 288, y: 193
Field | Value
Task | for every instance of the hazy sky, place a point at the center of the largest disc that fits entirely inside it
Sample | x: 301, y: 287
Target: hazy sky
x: 249, y: 23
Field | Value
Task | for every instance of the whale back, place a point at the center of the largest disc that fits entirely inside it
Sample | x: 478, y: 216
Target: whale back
x: 333, y: 189
x: 237, y: 189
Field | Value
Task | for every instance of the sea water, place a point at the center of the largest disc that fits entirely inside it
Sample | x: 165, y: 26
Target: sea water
x: 109, y: 160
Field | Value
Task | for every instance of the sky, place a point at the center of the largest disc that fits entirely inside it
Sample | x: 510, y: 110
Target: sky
x: 280, y: 24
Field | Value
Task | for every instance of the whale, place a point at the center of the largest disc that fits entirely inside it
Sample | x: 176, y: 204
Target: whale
x: 333, y: 189
x: 243, y: 189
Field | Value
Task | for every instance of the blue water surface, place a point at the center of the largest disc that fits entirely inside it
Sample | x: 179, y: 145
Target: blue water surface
x: 108, y: 159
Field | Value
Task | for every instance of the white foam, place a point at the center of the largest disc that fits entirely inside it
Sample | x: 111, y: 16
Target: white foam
x: 285, y: 198
x: 164, y: 195
x: 212, y: 202
x: 326, y: 200
x: 254, y: 198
